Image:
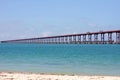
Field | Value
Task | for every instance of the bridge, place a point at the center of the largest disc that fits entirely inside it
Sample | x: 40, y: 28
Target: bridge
x: 101, y: 37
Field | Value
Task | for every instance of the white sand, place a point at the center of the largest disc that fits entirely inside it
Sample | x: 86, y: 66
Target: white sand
x: 31, y: 76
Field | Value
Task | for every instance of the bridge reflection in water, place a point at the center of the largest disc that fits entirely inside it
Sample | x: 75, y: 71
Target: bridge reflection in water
x: 101, y: 37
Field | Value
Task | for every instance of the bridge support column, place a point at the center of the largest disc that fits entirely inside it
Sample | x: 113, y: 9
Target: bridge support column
x: 117, y: 37
x: 54, y: 40
x: 62, y: 40
x: 74, y: 39
x: 58, y: 40
x: 102, y: 38
x: 110, y: 38
x: 40, y: 41
x: 89, y: 39
x: 79, y: 39
x: 51, y: 41
x: 70, y: 39
x: 95, y: 38
x: 43, y: 41
x: 48, y: 41
x: 66, y: 39
x: 84, y: 39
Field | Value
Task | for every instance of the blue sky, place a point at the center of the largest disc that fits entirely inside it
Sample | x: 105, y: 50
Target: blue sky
x: 36, y: 18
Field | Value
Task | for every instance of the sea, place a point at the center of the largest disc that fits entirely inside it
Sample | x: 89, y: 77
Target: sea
x: 78, y: 59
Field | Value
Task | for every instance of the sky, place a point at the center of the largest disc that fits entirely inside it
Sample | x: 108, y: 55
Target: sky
x: 38, y: 18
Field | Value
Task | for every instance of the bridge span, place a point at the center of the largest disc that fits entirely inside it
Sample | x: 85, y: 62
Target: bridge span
x: 101, y: 37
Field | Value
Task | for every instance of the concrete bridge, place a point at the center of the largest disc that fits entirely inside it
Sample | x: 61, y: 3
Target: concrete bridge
x: 101, y: 37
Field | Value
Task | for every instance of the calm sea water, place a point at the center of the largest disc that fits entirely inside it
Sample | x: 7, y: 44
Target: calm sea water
x: 61, y: 58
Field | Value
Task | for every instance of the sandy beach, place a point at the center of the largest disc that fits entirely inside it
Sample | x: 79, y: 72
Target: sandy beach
x: 32, y: 76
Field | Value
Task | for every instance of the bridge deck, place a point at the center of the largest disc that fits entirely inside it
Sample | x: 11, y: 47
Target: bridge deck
x: 83, y: 38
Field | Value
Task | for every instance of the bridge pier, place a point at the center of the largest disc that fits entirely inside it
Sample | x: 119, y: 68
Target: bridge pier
x: 95, y: 38
x: 62, y: 40
x: 89, y: 38
x: 102, y: 38
x: 66, y: 39
x: 110, y: 38
x: 79, y: 39
x: 84, y: 39
x: 55, y: 41
x: 70, y: 39
x: 74, y: 39
x: 117, y: 37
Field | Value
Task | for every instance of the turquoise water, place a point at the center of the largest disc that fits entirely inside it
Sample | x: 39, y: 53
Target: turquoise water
x: 61, y: 58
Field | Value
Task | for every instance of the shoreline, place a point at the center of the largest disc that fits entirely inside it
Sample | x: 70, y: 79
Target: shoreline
x: 49, y: 73
x: 44, y: 76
